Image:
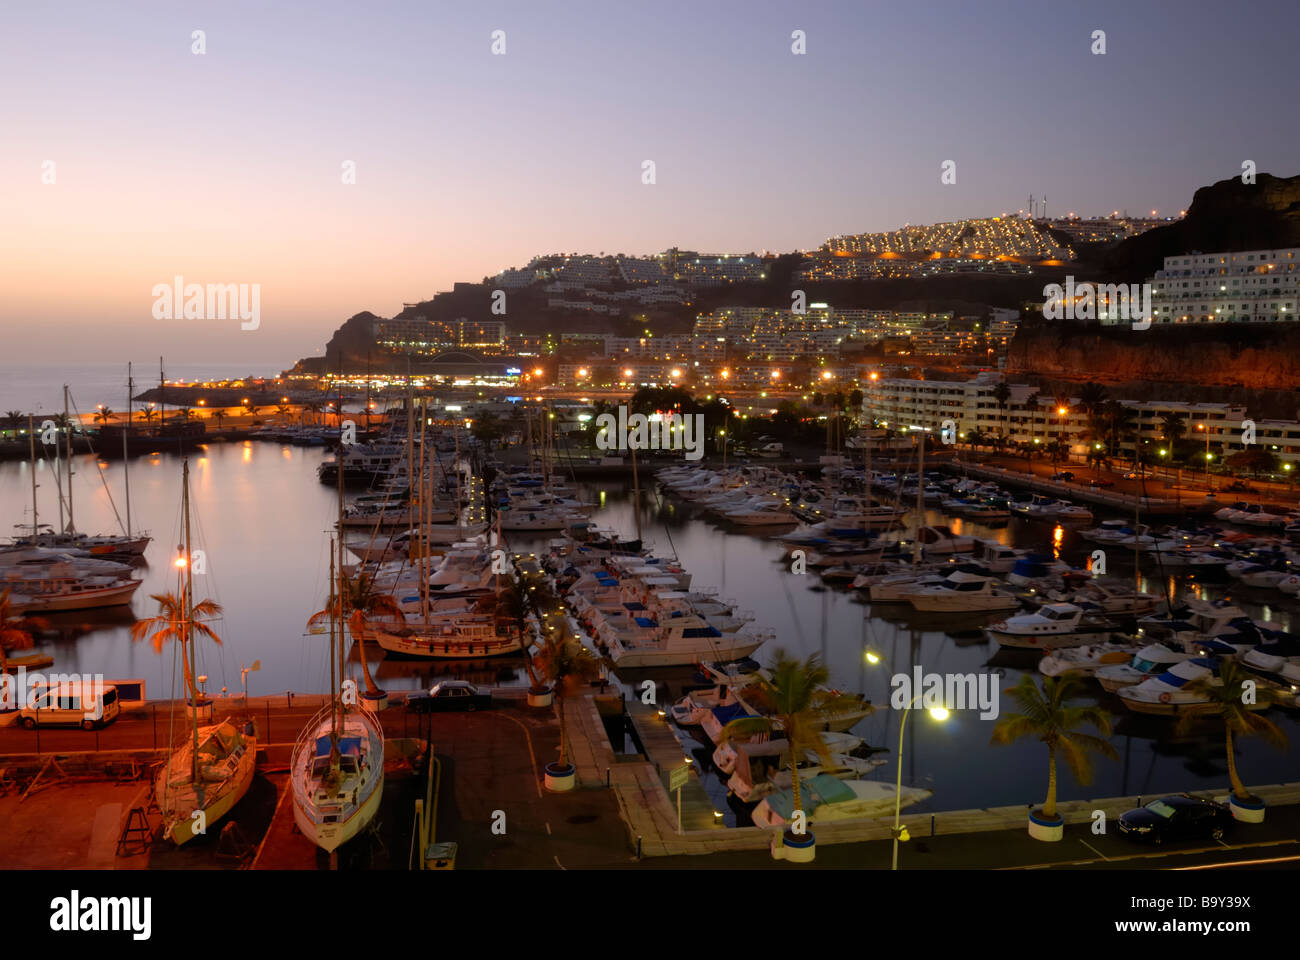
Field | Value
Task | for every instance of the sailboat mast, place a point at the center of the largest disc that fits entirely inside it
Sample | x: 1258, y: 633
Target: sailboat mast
x: 71, y: 525
x: 187, y: 613
x: 636, y: 487
x: 920, y: 494
x: 334, y: 685
x: 455, y: 434
x: 424, y: 520
x: 126, y: 463
x: 31, y: 439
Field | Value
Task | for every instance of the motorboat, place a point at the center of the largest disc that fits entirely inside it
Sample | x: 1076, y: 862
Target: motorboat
x: 963, y: 592
x: 1050, y: 627
x: 1151, y: 661
x: 1085, y: 660
x: 827, y: 799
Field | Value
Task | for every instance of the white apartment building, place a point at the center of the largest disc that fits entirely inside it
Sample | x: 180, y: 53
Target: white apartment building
x: 1250, y: 286
x: 898, y: 403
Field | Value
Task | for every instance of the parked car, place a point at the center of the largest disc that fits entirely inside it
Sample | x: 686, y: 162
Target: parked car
x: 1065, y: 475
x: 1104, y: 484
x: 1178, y: 817
x: 72, y: 704
x: 449, y: 695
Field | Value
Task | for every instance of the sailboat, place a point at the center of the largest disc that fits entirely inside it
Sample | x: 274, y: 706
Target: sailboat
x: 337, y: 765
x: 43, y: 535
x: 207, y: 775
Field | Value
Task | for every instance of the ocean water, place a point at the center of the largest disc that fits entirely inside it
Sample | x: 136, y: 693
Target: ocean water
x: 38, y: 387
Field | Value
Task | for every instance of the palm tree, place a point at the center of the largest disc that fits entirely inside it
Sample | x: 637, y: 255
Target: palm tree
x: 15, y: 631
x: 1119, y: 423
x: 219, y: 416
x: 793, y: 696
x: 147, y: 413
x: 514, y: 603
x: 1091, y: 396
x: 104, y: 414
x: 1032, y: 402
x: 1002, y: 393
x: 1047, y: 717
x: 1172, y: 428
x: 360, y: 601
x: 567, y: 664
x: 14, y: 419
x: 1227, y: 699
x: 172, y: 623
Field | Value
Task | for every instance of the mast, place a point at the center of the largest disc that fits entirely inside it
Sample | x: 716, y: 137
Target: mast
x: 334, y: 686
x: 455, y: 434
x: 187, y: 613
x: 424, y: 521
x: 162, y: 397
x: 920, y: 494
x: 126, y: 468
x: 31, y: 440
x: 68, y: 423
x: 636, y: 489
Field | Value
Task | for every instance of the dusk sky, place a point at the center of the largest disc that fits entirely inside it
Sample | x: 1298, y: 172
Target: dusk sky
x: 226, y: 167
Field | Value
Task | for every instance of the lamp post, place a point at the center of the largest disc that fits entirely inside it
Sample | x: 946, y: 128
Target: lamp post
x: 938, y: 713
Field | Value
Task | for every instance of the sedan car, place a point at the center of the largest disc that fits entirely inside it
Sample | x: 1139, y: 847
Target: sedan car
x: 449, y: 695
x: 1063, y: 475
x: 1104, y: 484
x: 1178, y: 817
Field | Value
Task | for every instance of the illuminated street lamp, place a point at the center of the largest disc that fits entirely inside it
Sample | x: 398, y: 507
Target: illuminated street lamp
x: 937, y: 713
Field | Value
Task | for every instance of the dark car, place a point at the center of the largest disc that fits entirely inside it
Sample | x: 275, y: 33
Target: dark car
x: 449, y: 695
x: 1101, y: 483
x: 1064, y: 475
x: 1178, y: 817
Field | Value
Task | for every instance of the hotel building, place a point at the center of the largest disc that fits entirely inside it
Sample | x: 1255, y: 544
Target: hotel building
x: 1249, y: 286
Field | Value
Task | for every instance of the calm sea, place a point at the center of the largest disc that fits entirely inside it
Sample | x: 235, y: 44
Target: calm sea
x: 38, y: 387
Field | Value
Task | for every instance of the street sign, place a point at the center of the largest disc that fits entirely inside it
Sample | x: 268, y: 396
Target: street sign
x: 678, y: 776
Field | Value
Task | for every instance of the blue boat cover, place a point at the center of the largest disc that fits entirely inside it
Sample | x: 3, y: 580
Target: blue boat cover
x: 645, y: 622
x: 348, y: 746
x: 817, y: 790
x: 731, y: 711
x: 634, y: 605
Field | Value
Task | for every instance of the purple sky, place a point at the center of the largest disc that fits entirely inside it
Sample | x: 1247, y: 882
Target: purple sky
x: 226, y: 167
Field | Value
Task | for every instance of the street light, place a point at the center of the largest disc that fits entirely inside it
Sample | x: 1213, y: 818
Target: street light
x: 938, y: 713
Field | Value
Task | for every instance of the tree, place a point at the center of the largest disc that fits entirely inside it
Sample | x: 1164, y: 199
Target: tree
x: 794, y: 697
x: 103, y: 415
x: 173, y: 623
x: 359, y: 602
x: 1118, y: 424
x: 1173, y: 428
x: 15, y: 630
x: 514, y: 604
x: 1031, y: 402
x: 1002, y: 393
x: 219, y: 416
x: 1046, y: 716
x: 1254, y: 460
x: 1227, y: 700
x: 567, y: 664
x: 1091, y: 396
x: 14, y: 419
x: 147, y: 414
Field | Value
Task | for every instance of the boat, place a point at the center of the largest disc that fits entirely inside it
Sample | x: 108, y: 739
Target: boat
x: 210, y: 772
x: 1086, y: 660
x: 1151, y: 661
x: 1051, y: 626
x: 963, y: 592
x: 826, y: 799
x: 761, y: 768
x: 1172, y: 693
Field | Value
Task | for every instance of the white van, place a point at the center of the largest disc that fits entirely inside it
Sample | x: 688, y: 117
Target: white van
x: 71, y: 704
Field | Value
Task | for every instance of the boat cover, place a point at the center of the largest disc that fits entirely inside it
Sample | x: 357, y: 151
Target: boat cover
x: 815, y: 791
x: 348, y: 746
